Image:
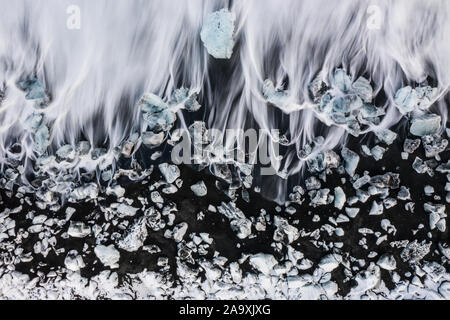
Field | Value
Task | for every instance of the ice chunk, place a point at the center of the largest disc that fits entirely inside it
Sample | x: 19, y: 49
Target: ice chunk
x: 341, y: 80
x: 108, y: 255
x: 284, y: 232
x: 406, y: 99
x: 187, y: 98
x: 363, y: 89
x: 239, y: 223
x: 73, y: 261
x: 411, y: 145
x: 377, y: 152
x: 264, y: 263
x: 330, y: 262
x: 89, y: 190
x: 339, y: 198
x: 153, y: 139
x: 217, y: 34
x: 426, y: 124
x: 199, y: 189
x: 41, y: 140
x: 351, y: 160
x: 66, y: 152
x: 34, y: 89
x: 156, y: 113
x: 387, y: 262
x: 33, y: 121
x: 169, y: 172
x: 134, y: 238
x: 274, y: 95
x: 377, y: 209
x: 352, y: 212
x: 386, y: 135
x: 434, y: 145
x: 78, y: 229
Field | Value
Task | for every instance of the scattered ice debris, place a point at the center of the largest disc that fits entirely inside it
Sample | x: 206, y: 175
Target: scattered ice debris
x: 217, y: 33
x: 437, y: 216
x: 377, y: 152
x: 108, y: 255
x: 410, y: 146
x: 434, y: 145
x: 408, y: 99
x: 87, y: 191
x: 199, y: 189
x: 425, y: 124
x: 330, y: 262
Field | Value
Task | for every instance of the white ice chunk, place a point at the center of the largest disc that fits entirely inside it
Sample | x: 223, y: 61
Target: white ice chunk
x: 169, y: 172
x: 199, y: 189
x: 426, y: 124
x: 264, y: 263
x: 217, y: 34
x: 387, y: 262
x: 339, y: 198
x: 351, y: 160
x: 108, y: 255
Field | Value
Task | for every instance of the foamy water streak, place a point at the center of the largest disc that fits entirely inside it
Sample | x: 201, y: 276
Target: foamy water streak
x: 95, y: 75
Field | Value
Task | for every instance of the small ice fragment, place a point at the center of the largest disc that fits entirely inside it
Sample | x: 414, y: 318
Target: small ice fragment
x: 339, y: 198
x: 82, y: 148
x: 134, y: 238
x: 406, y: 99
x: 386, y: 135
x: 169, y: 172
x: 377, y: 152
x: 419, y: 165
x: 387, y: 262
x: 363, y: 89
x: 199, y: 189
x: 426, y: 124
x: 33, y: 121
x: 78, y: 229
x: 341, y: 80
x: 156, y: 113
x: 187, y: 98
x: 153, y: 139
x: 274, y: 95
x: 351, y: 160
x: 434, y: 145
x: 217, y: 33
x: 377, y: 209
x: 352, y: 212
x: 66, y: 152
x: 411, y: 145
x: 89, y: 190
x: 108, y: 255
x: 73, y: 261
x: 264, y: 263
x: 429, y: 190
x: 41, y: 140
x: 34, y: 89
x: 330, y: 262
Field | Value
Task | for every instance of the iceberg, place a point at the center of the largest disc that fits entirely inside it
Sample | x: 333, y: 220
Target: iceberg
x: 217, y: 34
